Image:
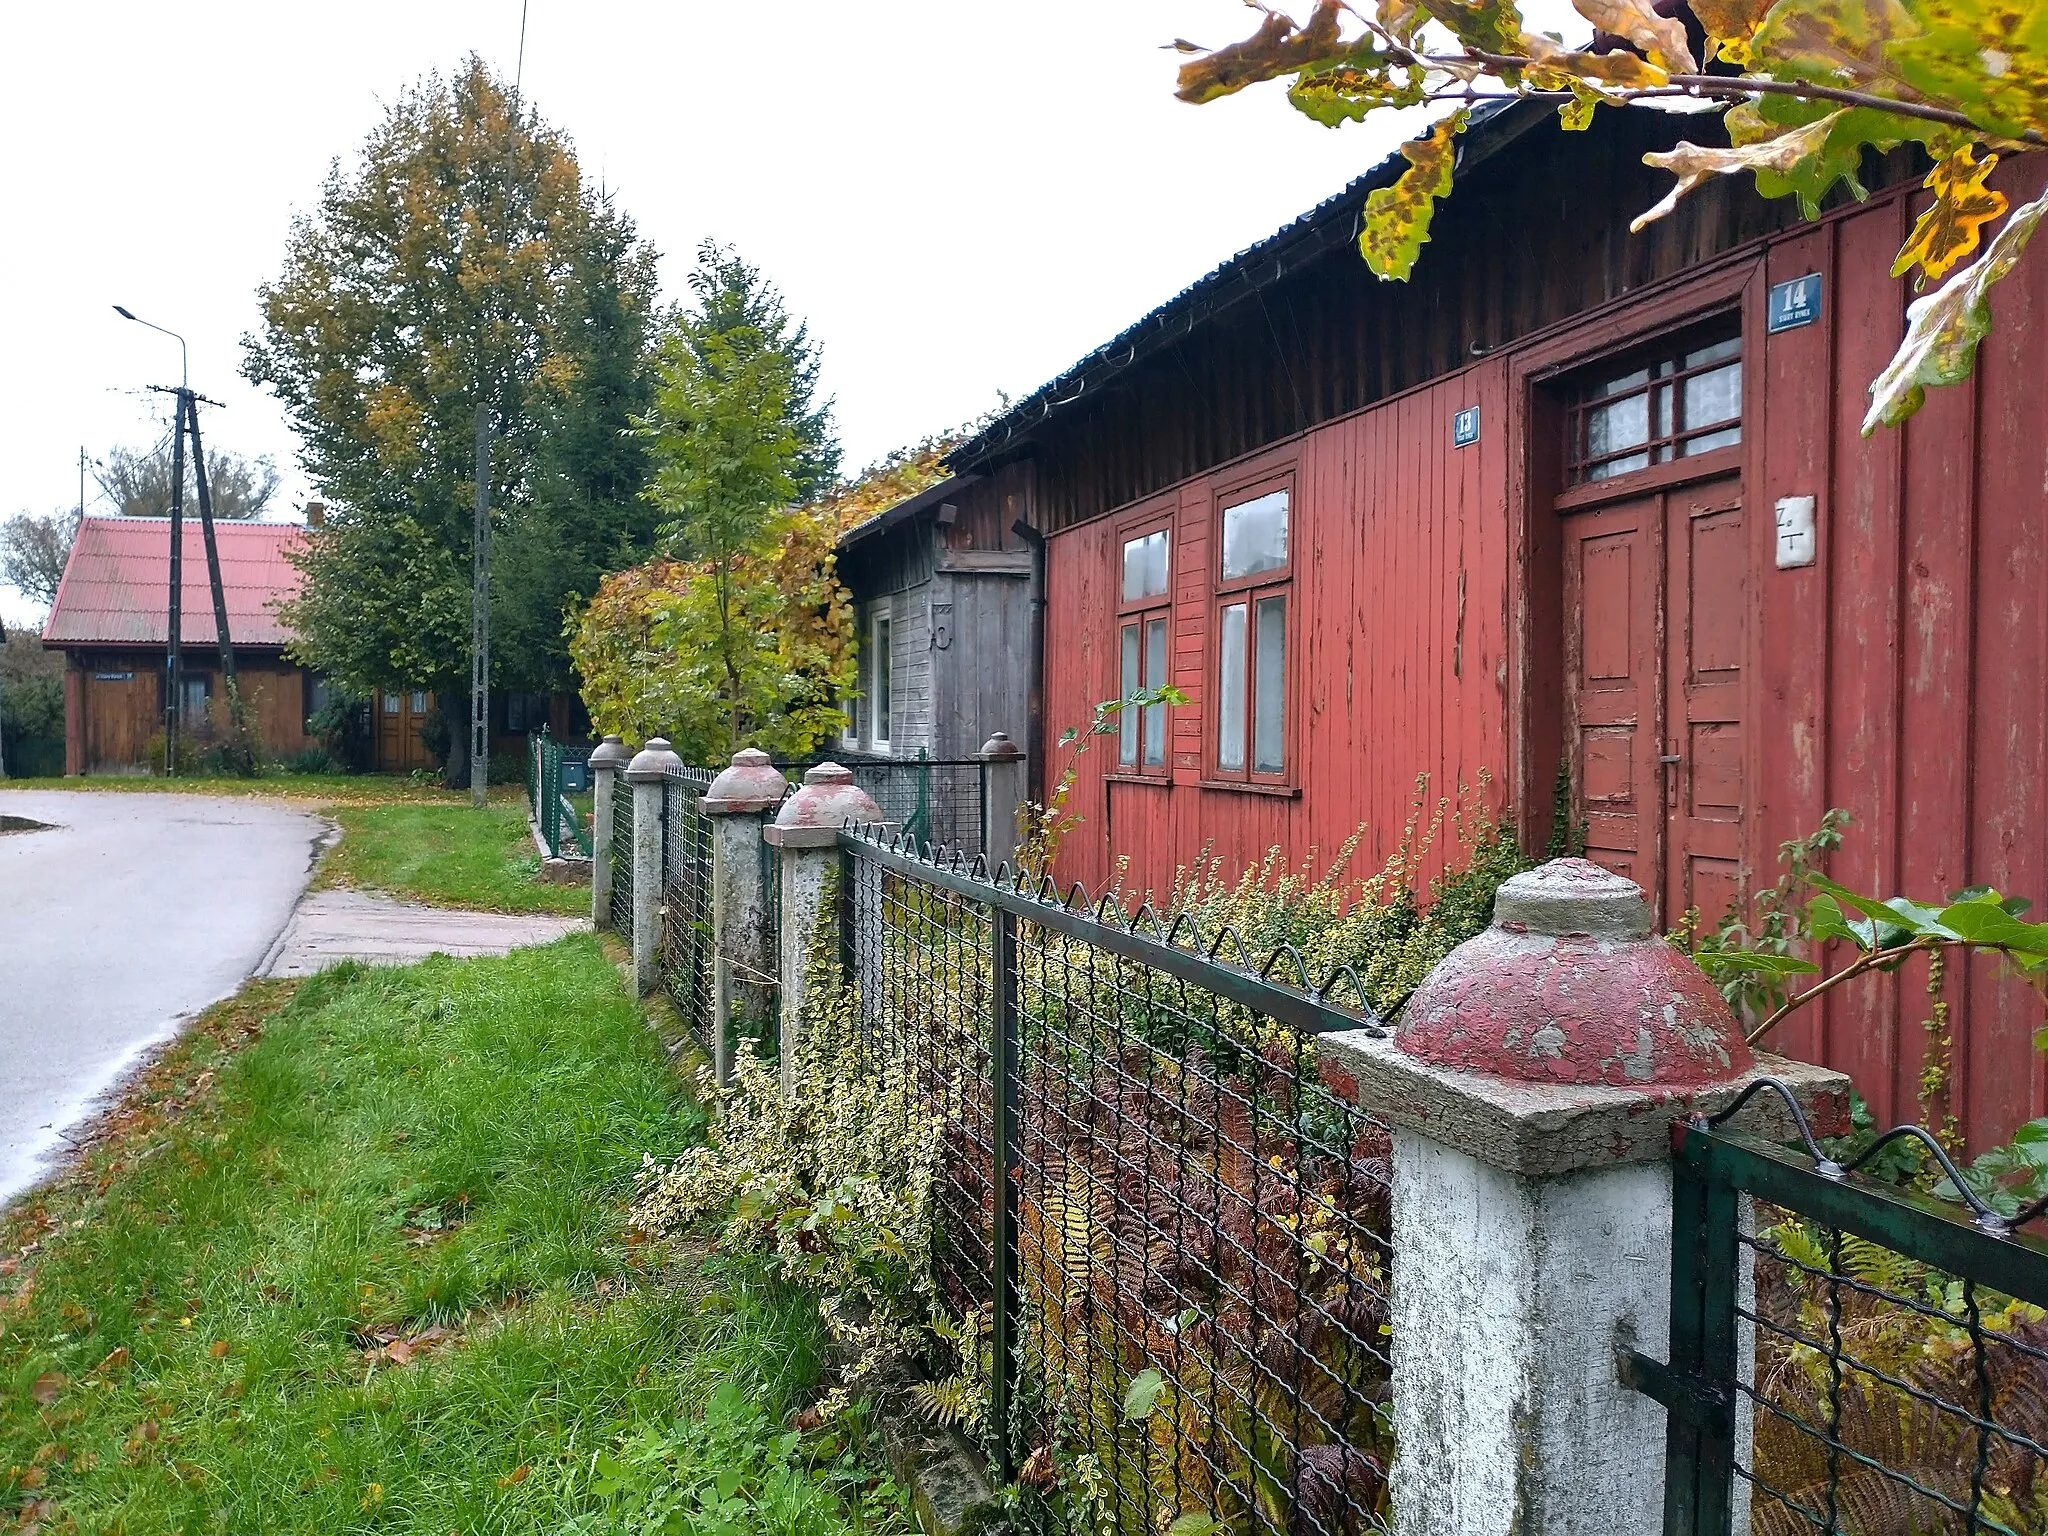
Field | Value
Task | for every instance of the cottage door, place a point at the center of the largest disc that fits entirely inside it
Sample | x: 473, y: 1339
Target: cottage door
x: 1656, y: 603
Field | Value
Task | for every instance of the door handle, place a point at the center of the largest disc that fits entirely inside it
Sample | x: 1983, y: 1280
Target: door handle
x: 1668, y: 761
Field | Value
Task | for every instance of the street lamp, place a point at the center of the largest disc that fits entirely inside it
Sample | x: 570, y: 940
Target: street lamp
x: 174, y: 680
x: 184, y: 372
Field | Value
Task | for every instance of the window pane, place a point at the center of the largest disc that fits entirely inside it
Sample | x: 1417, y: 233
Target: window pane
x: 1127, y: 684
x: 883, y: 665
x: 390, y: 703
x: 1155, y: 676
x: 1145, y: 567
x: 1713, y: 397
x: 1269, y: 728
x: 1255, y: 536
x: 1230, y: 690
x: 419, y: 701
x: 1622, y: 425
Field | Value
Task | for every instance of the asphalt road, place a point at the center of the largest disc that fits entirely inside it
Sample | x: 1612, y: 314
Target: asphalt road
x: 135, y: 912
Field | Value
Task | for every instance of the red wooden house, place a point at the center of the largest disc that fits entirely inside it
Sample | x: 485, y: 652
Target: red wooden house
x: 1568, y: 495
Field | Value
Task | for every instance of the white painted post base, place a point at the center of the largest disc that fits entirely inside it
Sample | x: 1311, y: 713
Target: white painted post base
x: 646, y: 774
x: 1509, y: 1295
x: 605, y: 763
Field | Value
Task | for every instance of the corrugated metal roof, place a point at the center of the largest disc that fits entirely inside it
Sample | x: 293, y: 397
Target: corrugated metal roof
x: 116, y: 584
x: 1332, y: 222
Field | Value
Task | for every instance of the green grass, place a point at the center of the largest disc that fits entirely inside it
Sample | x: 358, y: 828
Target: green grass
x: 189, y: 1320
x: 448, y: 855
x: 327, y: 788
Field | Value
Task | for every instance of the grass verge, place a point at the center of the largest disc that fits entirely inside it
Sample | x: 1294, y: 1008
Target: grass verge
x: 354, y: 1257
x: 319, y: 788
x: 448, y: 856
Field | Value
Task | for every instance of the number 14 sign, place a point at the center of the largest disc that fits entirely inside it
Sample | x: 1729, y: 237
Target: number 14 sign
x: 1793, y: 304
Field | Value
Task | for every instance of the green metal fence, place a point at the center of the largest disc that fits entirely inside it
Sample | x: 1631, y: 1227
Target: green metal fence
x: 1847, y: 1356
x: 559, y: 819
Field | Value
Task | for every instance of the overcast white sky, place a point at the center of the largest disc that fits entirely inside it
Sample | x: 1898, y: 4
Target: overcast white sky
x: 960, y: 197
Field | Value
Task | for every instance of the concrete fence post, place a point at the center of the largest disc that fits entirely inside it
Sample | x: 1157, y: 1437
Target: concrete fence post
x: 1003, y: 786
x: 1531, y: 1088
x: 805, y: 837
x: 605, y: 764
x: 739, y: 802
x: 647, y: 774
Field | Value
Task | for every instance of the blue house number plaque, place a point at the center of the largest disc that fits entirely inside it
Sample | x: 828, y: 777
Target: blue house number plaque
x: 1794, y: 303
x: 1465, y: 427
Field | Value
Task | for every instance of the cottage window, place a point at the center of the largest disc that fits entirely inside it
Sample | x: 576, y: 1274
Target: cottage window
x: 1254, y: 575
x: 1679, y: 401
x: 1141, y: 650
x: 193, y: 689
x: 879, y: 667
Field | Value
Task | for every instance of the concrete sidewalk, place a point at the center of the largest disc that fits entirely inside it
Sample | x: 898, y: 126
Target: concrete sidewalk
x: 329, y: 927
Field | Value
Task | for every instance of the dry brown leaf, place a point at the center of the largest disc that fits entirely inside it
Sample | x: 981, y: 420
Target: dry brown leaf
x: 1277, y: 48
x: 398, y: 1352
x: 516, y: 1476
x: 48, y: 1388
x: 1661, y: 37
x: 1692, y: 163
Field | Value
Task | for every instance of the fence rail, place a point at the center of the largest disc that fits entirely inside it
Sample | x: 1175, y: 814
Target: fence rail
x: 1163, y: 1215
x: 1899, y: 1380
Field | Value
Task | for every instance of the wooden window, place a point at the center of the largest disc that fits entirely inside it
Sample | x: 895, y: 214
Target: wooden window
x: 879, y: 668
x: 1142, y: 626
x: 1681, y: 399
x: 1254, y: 578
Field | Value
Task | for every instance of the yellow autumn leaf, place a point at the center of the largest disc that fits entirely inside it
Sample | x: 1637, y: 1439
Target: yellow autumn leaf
x: 1693, y: 163
x: 1950, y: 228
x: 1662, y: 38
x: 1397, y: 218
x: 1556, y: 67
x: 1730, y: 24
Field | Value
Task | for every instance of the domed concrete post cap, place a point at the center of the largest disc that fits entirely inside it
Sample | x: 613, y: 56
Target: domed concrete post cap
x: 1000, y: 748
x: 828, y: 800
x: 752, y: 783
x: 652, y: 762
x: 611, y: 753
x: 1569, y: 985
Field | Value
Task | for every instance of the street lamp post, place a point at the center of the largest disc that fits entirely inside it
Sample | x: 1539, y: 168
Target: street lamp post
x: 174, y: 659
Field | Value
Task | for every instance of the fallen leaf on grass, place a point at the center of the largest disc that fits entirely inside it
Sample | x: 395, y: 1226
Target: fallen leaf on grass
x: 516, y: 1476
x: 117, y: 1359
x: 218, y: 1349
x: 48, y: 1388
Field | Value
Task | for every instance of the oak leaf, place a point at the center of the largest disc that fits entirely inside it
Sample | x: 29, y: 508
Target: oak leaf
x: 1944, y: 328
x: 1556, y: 67
x: 1662, y: 38
x: 1279, y: 47
x: 1486, y: 26
x: 1730, y: 25
x: 1951, y: 227
x: 1693, y: 163
x: 1397, y: 218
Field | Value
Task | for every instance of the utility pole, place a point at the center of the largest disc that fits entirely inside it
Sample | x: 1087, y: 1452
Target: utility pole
x: 480, y: 609
x: 480, y: 536
x: 174, y: 674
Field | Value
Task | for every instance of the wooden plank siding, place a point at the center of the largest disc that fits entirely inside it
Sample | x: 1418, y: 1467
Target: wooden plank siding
x: 1902, y: 676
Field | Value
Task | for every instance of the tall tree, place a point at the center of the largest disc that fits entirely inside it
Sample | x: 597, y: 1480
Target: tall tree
x: 33, y: 550
x: 1803, y: 87
x: 740, y: 635
x: 463, y: 258
x: 138, y: 482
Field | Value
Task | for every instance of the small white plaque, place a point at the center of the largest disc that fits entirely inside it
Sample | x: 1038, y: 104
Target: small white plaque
x: 1795, y: 531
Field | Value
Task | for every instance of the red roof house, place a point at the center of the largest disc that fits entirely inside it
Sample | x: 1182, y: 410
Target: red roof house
x: 111, y: 619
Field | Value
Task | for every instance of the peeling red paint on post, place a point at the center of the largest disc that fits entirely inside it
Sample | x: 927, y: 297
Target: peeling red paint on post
x: 1570, y: 986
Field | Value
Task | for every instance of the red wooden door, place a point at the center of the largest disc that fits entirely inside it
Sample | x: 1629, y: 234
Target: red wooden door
x: 1612, y: 607
x: 1656, y: 604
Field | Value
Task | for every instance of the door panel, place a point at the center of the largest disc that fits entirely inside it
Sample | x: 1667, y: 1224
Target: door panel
x: 1709, y: 598
x: 1656, y: 605
x: 1611, y: 601
x: 120, y: 718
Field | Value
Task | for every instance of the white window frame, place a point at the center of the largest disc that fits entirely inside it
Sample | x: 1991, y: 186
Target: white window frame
x: 881, y: 678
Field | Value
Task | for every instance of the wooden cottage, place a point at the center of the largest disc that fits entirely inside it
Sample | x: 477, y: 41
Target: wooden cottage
x: 1568, y: 496
x: 111, y: 617
x: 942, y: 599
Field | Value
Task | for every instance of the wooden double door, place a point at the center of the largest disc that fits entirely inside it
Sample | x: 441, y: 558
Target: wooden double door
x: 401, y: 717
x: 1656, y: 643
